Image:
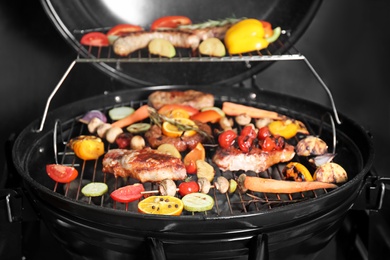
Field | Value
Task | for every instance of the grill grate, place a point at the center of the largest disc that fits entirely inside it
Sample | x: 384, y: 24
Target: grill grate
x: 225, y: 204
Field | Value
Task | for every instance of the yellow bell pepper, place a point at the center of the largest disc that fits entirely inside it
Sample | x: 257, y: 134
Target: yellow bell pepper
x: 297, y: 171
x: 245, y: 36
x: 87, y: 147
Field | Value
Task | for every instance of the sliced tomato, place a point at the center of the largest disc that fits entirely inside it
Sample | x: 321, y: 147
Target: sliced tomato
x: 96, y: 39
x: 170, y: 22
x: 61, y: 173
x: 128, y: 193
x: 268, y: 32
x: 123, y: 29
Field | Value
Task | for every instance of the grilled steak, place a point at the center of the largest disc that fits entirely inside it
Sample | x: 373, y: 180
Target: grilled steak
x: 155, y: 138
x: 146, y: 165
x: 123, y: 46
x: 190, y: 97
x: 210, y: 32
x: 257, y: 160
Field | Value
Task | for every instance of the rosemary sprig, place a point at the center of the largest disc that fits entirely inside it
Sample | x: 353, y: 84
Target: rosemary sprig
x: 158, y: 119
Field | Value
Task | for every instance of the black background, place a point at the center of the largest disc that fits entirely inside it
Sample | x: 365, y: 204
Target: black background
x: 347, y: 43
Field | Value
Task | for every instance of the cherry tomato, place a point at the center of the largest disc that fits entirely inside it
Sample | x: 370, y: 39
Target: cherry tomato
x: 123, y: 29
x: 128, y: 193
x: 249, y: 132
x: 263, y: 133
x: 244, y: 143
x: 191, y: 167
x: 61, y: 173
x: 123, y: 140
x: 188, y: 187
x: 96, y: 39
x: 279, y: 142
x: 227, y: 138
x: 268, y: 144
x: 170, y: 22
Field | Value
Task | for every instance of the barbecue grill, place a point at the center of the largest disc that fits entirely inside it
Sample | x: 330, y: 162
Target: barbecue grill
x: 259, y: 226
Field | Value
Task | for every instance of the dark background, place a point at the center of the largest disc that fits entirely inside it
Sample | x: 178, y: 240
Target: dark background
x: 346, y: 43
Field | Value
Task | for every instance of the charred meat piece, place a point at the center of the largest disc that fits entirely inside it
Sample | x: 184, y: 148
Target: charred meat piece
x: 146, y: 165
x: 155, y: 138
x: 196, y: 99
x: 123, y: 46
x: 257, y: 160
x: 210, y: 32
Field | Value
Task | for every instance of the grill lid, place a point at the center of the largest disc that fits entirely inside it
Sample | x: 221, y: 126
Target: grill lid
x: 73, y: 18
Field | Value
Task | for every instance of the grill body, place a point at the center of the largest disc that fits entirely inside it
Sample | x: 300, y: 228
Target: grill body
x: 298, y: 229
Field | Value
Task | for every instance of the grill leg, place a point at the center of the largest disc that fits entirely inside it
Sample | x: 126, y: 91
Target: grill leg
x: 156, y: 248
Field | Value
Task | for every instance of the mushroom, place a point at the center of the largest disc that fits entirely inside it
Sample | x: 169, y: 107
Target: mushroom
x: 330, y: 172
x: 204, y: 185
x: 137, y: 142
x: 93, y: 124
x: 113, y: 133
x: 226, y: 123
x: 167, y: 188
x: 243, y: 119
x: 222, y: 184
x: 311, y: 145
x: 102, y: 129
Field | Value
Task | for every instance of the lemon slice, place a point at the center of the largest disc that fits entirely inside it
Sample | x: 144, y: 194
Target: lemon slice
x: 197, y: 202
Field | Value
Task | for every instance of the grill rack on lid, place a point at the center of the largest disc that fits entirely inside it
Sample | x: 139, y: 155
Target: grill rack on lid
x: 225, y: 204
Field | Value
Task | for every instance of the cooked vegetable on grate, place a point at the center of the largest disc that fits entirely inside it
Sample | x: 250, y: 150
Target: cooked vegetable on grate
x: 118, y: 113
x: 330, y: 172
x: 187, y: 187
x: 161, y: 47
x: 259, y: 184
x: 212, y: 47
x: 93, y: 114
x: 87, y: 147
x: 170, y: 22
x: 128, y: 193
x: 61, y: 173
x: 297, y: 172
x: 139, y: 114
x: 197, y: 202
x: 311, y: 145
x: 207, y: 116
x: 286, y: 128
x: 95, y: 39
x: 138, y: 128
x: 94, y: 189
x: 234, y: 109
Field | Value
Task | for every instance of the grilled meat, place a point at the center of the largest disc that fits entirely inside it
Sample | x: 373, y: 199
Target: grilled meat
x: 210, y: 32
x: 196, y: 99
x: 155, y: 138
x: 257, y: 160
x: 146, y: 165
x: 123, y: 46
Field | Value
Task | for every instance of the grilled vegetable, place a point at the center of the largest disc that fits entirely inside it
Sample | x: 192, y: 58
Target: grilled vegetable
x: 311, y: 145
x: 233, y: 109
x: 113, y: 133
x: 169, y: 149
x: 297, y: 172
x: 128, y: 193
x: 138, y: 128
x: 93, y: 114
x: 222, y: 184
x: 204, y: 185
x: 162, y: 47
x: 123, y: 140
x: 227, y: 138
x: 330, y: 172
x: 96, y: 39
x: 94, y: 189
x: 207, y: 116
x: 188, y: 187
x: 268, y: 32
x: 204, y: 170
x: 61, y: 173
x: 245, y: 36
x: 167, y: 109
x: 137, y: 142
x: 167, y: 188
x: 258, y: 184
x: 286, y: 128
x: 87, y: 147
x: 212, y: 47
x: 118, y: 113
x: 139, y: 114
x: 167, y: 22
x: 276, y: 33
x: 94, y: 124
x: 121, y: 30
x: 196, y: 154
x: 197, y: 202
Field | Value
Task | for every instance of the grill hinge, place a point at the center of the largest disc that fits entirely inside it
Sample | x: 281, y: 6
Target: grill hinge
x: 373, y: 192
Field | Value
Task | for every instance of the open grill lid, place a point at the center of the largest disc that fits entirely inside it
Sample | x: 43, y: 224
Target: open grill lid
x: 73, y: 18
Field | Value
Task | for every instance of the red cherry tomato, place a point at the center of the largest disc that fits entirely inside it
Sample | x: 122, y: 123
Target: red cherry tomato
x: 244, y: 143
x: 191, y: 167
x: 249, y: 132
x: 123, y: 140
x: 170, y: 22
x: 268, y: 144
x: 279, y: 143
x: 61, y: 173
x: 128, y: 193
x: 123, y: 29
x: 227, y: 138
x: 96, y: 39
x: 188, y: 187
x: 263, y: 133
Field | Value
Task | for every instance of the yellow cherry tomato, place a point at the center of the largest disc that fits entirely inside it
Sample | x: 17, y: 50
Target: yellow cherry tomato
x: 87, y: 147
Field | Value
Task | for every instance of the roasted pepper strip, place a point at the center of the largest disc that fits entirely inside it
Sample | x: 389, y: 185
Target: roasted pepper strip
x: 297, y: 172
x: 87, y: 147
x: 245, y: 36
